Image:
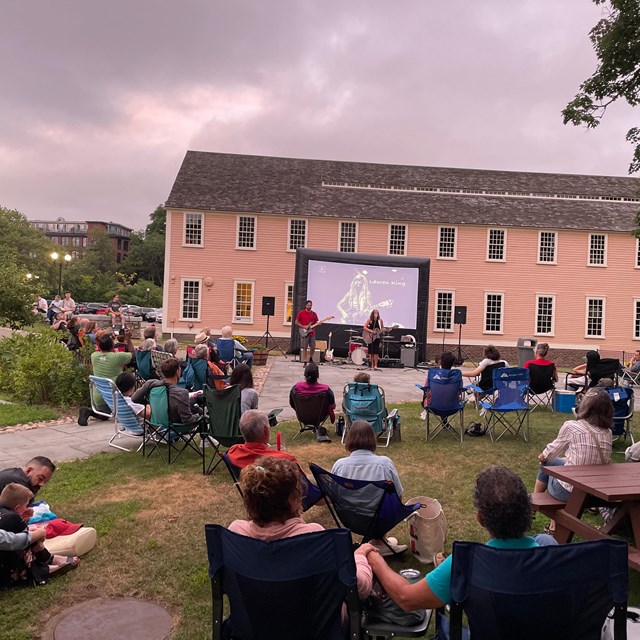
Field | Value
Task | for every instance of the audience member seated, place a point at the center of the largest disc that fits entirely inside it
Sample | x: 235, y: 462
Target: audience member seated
x: 310, y: 387
x: 150, y: 334
x: 76, y: 333
x: 578, y: 379
x: 147, y: 345
x: 241, y: 352
x: 33, y: 565
x: 114, y: 310
x: 34, y: 475
x: 205, y: 337
x: 18, y: 541
x: 107, y: 363
x: 362, y: 463
x: 90, y: 329
x: 586, y: 440
x: 181, y: 408
x: 445, y: 361
x: 634, y: 366
x: 242, y: 376
x: 171, y: 346
x: 362, y: 376
x: 491, y: 356
x: 126, y: 383
x: 272, y: 495
x: 254, y: 426
x: 503, y: 509
x: 54, y: 309
x: 541, y: 351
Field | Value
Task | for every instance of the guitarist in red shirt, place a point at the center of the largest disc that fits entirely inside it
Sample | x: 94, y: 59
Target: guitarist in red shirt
x: 307, y: 320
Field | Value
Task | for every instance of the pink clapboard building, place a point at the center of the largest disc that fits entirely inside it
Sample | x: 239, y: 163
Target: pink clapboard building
x: 547, y: 256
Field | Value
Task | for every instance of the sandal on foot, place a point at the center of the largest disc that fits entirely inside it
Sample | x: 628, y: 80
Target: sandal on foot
x: 69, y: 565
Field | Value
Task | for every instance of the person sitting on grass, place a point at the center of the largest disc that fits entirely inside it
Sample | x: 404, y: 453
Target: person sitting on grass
x: 272, y: 496
x: 241, y: 376
x: 34, y: 475
x: 126, y: 383
x: 34, y: 564
x: 254, y: 426
x: 503, y: 509
x: 362, y: 463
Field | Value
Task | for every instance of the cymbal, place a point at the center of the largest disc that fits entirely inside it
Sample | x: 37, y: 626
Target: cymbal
x: 351, y: 331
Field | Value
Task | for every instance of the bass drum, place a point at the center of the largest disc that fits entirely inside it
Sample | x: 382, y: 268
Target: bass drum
x: 359, y: 355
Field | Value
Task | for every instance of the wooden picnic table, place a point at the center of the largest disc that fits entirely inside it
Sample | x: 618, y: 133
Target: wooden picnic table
x: 610, y: 483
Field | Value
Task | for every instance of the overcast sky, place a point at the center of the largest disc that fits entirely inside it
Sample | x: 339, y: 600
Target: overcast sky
x: 99, y: 101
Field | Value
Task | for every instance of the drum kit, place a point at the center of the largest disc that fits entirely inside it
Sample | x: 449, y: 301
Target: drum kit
x: 358, y: 352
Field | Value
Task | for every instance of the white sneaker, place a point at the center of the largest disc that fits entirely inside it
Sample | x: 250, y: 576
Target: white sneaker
x: 396, y: 548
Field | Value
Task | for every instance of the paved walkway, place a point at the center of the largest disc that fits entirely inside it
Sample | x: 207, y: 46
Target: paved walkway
x: 65, y: 440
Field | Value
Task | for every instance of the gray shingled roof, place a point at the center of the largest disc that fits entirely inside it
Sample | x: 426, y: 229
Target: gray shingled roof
x: 290, y: 186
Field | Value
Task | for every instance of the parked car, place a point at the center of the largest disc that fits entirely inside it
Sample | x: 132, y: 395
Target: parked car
x: 159, y: 316
x: 97, y: 307
x: 145, y: 311
x: 82, y: 307
x: 152, y: 316
x: 132, y: 311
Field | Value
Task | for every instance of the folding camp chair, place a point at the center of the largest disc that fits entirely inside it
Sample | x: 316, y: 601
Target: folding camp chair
x: 444, y: 400
x: 623, y: 407
x: 126, y: 422
x: 222, y: 423
x: 157, y: 358
x: 227, y: 352
x: 159, y: 430
x: 484, y: 389
x: 508, y: 407
x: 596, y: 370
x: 542, y: 385
x: 367, y: 508
x: 366, y: 401
x: 311, y: 411
x: 310, y: 493
x: 289, y: 588
x: 144, y: 366
x: 560, y: 592
x: 629, y: 377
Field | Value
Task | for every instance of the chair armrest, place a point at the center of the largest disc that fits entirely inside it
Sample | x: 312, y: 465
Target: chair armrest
x: 475, y: 388
x: 392, y: 414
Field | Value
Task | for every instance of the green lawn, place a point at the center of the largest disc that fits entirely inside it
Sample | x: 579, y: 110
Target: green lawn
x: 12, y: 414
x: 150, y: 517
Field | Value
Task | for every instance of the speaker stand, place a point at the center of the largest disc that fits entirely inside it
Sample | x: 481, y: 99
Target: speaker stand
x: 459, y: 361
x: 266, y: 335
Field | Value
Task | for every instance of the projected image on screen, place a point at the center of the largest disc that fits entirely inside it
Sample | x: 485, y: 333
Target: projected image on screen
x: 350, y: 292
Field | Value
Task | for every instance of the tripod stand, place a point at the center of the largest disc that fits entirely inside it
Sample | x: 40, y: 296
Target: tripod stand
x: 266, y: 335
x: 459, y: 359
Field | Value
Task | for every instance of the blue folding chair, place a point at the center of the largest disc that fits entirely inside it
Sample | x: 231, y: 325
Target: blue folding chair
x: 560, y: 592
x: 144, y: 366
x: 126, y: 422
x: 289, y: 588
x: 227, y: 352
x: 366, y: 401
x: 311, y: 495
x: 484, y: 390
x: 444, y: 399
x: 622, y: 400
x: 508, y: 407
x: 367, y: 508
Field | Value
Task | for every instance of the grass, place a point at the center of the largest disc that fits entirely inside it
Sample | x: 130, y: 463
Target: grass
x: 150, y: 517
x: 12, y: 414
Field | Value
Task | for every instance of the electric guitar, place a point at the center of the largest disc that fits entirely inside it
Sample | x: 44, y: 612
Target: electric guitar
x: 304, y: 331
x: 328, y: 354
x: 377, y: 333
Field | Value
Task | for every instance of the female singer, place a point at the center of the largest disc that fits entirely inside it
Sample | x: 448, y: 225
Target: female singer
x: 372, y: 333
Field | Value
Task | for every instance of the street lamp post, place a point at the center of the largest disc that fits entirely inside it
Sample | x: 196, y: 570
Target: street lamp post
x: 63, y: 261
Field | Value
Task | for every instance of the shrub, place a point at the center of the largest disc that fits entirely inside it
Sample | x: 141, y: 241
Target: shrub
x: 38, y: 368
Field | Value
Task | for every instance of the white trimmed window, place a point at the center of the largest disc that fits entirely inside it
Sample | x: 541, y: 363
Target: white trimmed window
x: 193, y: 229
x: 246, y: 236
x: 348, y: 237
x: 547, y: 247
x: 444, y: 311
x: 636, y: 319
x: 243, y: 301
x: 190, y: 299
x: 397, y: 239
x: 447, y: 243
x: 595, y: 318
x: 493, y: 306
x: 545, y: 306
x: 637, y: 253
x: 288, y: 306
x: 496, y: 245
x: 597, y: 250
x: 297, y: 234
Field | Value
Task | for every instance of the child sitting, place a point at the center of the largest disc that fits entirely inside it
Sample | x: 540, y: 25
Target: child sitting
x: 35, y: 563
x: 126, y: 383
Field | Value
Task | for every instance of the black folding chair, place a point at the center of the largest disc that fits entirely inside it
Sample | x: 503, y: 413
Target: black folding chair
x: 542, y: 385
x: 367, y: 508
x: 289, y: 588
x: 311, y: 411
x: 561, y: 592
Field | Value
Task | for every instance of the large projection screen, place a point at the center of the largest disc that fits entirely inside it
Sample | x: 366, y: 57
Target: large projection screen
x: 349, y: 286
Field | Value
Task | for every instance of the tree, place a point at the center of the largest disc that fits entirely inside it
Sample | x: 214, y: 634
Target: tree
x: 616, y: 40
x: 146, y: 251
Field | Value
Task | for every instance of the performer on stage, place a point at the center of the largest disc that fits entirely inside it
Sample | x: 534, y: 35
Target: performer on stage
x: 372, y: 334
x: 304, y: 320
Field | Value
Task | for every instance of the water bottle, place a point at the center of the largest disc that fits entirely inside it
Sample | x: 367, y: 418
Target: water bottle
x: 340, y: 426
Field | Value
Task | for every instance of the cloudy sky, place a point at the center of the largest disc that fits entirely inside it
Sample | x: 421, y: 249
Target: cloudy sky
x: 99, y: 101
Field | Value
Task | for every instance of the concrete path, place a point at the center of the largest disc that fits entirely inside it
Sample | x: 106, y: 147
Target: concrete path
x: 65, y: 440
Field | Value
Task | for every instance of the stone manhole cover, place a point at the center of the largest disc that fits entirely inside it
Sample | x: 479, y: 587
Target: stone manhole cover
x: 111, y: 619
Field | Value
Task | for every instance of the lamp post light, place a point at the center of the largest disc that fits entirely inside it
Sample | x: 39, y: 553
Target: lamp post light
x: 63, y: 261
x: 148, y: 296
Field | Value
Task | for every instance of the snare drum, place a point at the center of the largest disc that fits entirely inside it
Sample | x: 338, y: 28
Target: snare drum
x: 359, y: 355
